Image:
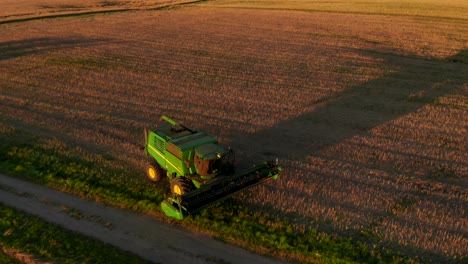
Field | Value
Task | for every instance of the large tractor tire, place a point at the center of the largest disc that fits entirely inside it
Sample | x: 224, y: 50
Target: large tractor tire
x: 180, y: 186
x: 154, y: 172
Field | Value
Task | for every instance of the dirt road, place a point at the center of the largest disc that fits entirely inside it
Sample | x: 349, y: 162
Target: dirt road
x: 137, y: 233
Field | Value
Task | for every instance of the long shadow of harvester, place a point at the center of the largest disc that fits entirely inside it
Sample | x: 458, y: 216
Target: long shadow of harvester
x: 355, y: 112
x: 358, y: 109
x: 19, y: 48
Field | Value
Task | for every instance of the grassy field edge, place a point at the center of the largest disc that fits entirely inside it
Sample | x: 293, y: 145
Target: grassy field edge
x: 48, y: 242
x: 228, y: 221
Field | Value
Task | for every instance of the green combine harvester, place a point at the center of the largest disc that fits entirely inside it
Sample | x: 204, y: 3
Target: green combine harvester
x: 201, y: 172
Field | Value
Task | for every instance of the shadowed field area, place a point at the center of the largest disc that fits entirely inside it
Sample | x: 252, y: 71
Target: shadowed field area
x: 366, y: 111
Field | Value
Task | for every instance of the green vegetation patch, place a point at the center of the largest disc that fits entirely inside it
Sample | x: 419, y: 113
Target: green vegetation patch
x: 4, y: 259
x: 233, y: 222
x: 84, y: 62
x: 46, y: 241
x: 60, y: 168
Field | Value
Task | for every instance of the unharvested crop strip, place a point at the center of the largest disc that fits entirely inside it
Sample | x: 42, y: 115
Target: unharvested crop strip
x: 88, y: 13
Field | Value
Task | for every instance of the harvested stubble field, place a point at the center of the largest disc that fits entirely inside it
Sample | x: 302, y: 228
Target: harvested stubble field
x: 367, y: 111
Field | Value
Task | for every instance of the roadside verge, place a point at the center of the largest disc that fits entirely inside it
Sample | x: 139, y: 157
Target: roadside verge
x: 136, y: 233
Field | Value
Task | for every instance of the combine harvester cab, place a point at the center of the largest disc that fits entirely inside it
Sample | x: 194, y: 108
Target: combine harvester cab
x: 201, y: 172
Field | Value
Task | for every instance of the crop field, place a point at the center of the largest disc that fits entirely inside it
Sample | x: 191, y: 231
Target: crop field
x: 23, y: 10
x: 366, y: 107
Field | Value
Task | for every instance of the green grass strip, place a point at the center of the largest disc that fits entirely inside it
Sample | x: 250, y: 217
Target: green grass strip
x: 83, y: 177
x: 4, y: 259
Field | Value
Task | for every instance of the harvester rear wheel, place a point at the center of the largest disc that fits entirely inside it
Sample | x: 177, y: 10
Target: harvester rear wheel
x: 180, y: 185
x: 154, y: 172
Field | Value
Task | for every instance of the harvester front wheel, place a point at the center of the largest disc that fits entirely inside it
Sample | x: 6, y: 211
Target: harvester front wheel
x: 180, y: 186
x: 154, y: 172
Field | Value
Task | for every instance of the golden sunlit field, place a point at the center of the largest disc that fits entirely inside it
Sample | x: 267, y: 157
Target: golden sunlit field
x: 366, y: 107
